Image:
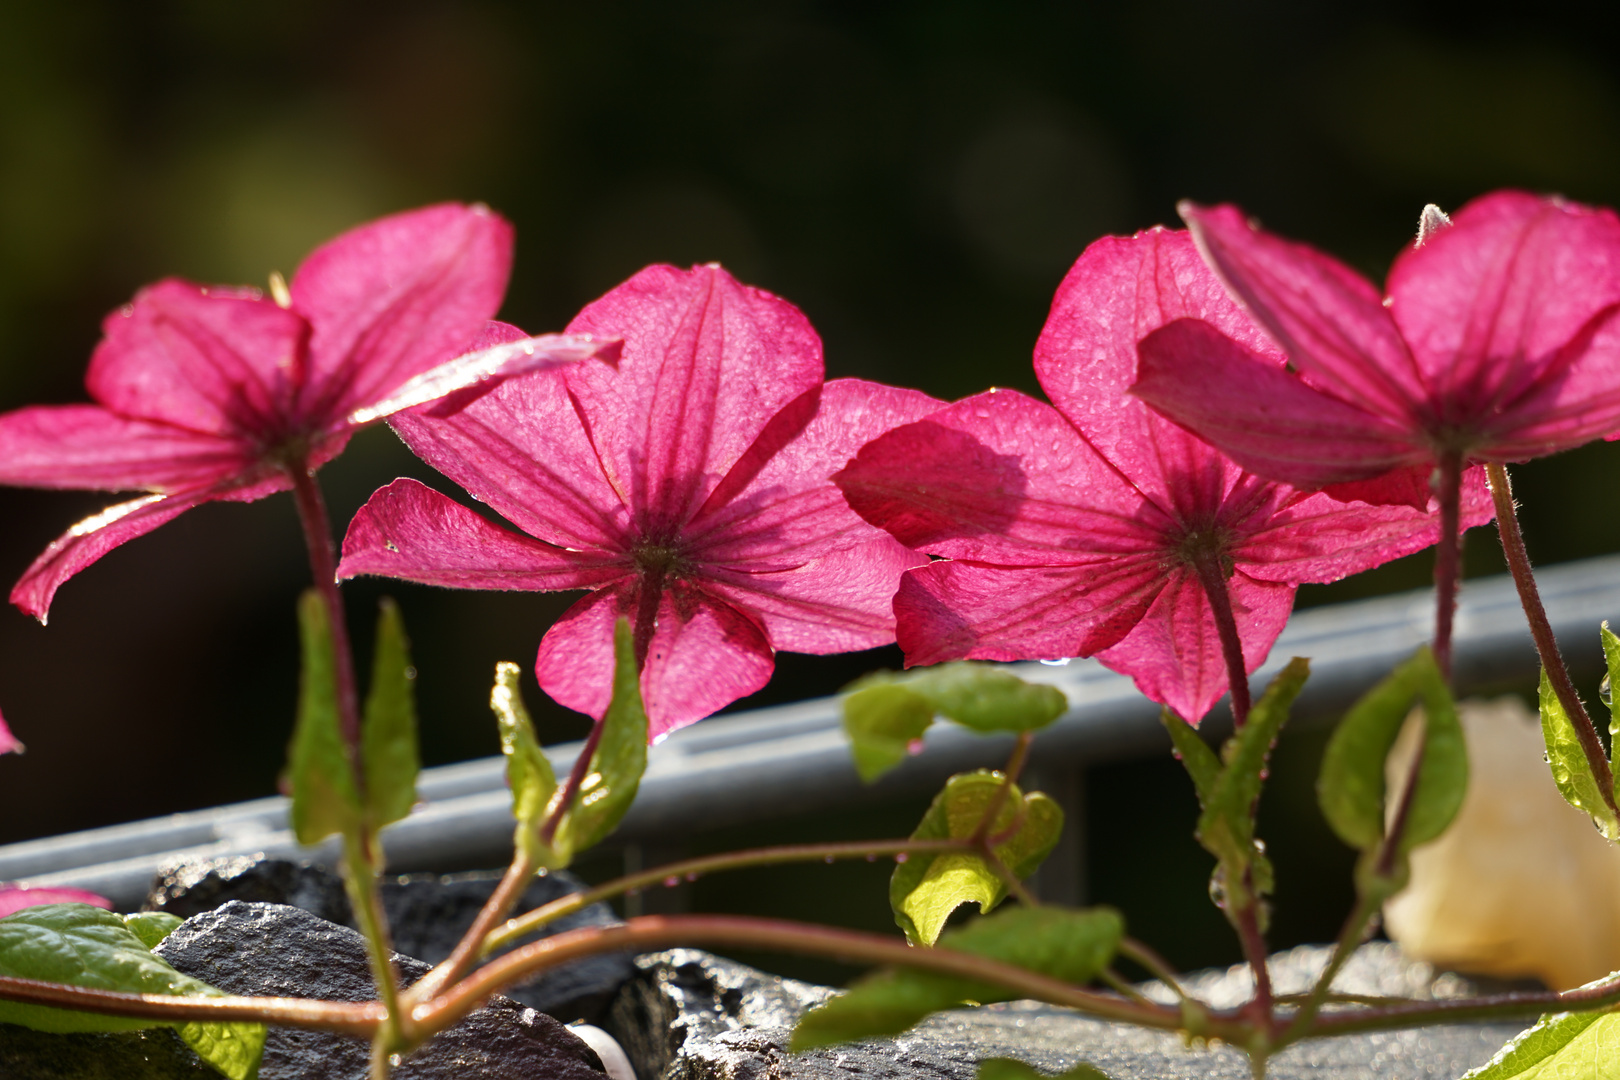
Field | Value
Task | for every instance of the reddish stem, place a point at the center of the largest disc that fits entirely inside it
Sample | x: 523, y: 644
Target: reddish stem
x: 1213, y: 578
x: 323, y: 567
x: 1448, y: 557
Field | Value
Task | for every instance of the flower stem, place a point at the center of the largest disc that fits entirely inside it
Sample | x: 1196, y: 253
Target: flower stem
x: 360, y: 862
x: 1009, y: 777
x: 1213, y: 578
x: 1246, y: 920
x: 467, y: 950
x: 323, y: 568
x: 576, y: 780
x: 1552, y: 660
x: 1447, y: 557
x: 1151, y: 962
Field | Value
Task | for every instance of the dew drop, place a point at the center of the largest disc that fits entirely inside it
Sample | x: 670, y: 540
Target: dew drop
x: 871, y: 858
x: 828, y: 860
x: 1606, y: 692
x: 914, y: 747
x: 671, y: 881
x: 901, y: 857
x: 1062, y: 661
x: 395, y: 1060
x: 693, y: 876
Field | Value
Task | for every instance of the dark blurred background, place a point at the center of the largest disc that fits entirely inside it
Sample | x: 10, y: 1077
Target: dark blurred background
x: 916, y: 176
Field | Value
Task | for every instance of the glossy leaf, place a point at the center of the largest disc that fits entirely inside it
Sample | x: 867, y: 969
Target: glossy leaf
x: 1069, y: 945
x: 621, y: 756
x: 1563, y: 1046
x: 1350, y: 787
x: 528, y: 772
x: 1012, y: 1069
x: 1201, y: 763
x: 388, y: 741
x: 1611, y: 657
x: 984, y: 697
x: 926, y: 889
x: 151, y: 926
x: 1570, y: 769
x: 85, y: 946
x: 325, y: 798
x: 882, y: 721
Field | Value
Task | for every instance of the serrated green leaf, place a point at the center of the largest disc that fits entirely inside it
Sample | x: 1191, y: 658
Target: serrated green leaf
x: 85, y: 946
x: 151, y: 926
x: 1010, y: 1069
x: 1563, y: 1046
x: 1069, y: 945
x: 882, y: 721
x: 1350, y: 787
x: 528, y: 772
x: 325, y: 798
x: 1201, y: 762
x: 926, y: 889
x: 620, y: 758
x: 983, y: 697
x: 388, y: 742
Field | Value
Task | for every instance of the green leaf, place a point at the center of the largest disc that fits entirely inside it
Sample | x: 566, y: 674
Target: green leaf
x: 1611, y: 657
x: 1570, y: 769
x: 1010, y: 1069
x: 528, y: 773
x: 85, y: 946
x: 1226, y: 827
x: 1201, y: 762
x: 1564, y: 1046
x: 1350, y: 787
x: 882, y: 721
x: 926, y: 888
x: 620, y: 758
x: 388, y: 744
x: 325, y: 798
x: 1069, y: 945
x: 984, y: 697
x: 151, y: 926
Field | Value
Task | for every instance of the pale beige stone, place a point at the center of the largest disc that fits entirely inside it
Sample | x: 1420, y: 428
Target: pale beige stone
x: 1522, y: 884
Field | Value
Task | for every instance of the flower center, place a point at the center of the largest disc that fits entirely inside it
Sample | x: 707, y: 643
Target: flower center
x: 1198, y: 545
x: 659, y: 559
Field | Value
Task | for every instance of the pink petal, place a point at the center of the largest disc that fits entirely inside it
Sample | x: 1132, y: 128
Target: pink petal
x: 1330, y: 320
x: 961, y: 610
x: 707, y: 363
x: 85, y: 446
x: 999, y: 477
x: 522, y: 449
x: 787, y: 509
x: 1174, y: 653
x: 1489, y: 304
x: 704, y: 654
x: 1119, y: 291
x: 216, y: 361
x: 1572, y: 404
x: 98, y: 534
x: 1266, y: 418
x: 1321, y: 538
x: 9, y: 743
x: 392, y: 298
x: 409, y: 531
x: 839, y: 603
x: 14, y: 898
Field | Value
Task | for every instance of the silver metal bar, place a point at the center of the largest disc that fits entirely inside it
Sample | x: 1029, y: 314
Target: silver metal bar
x: 793, y: 759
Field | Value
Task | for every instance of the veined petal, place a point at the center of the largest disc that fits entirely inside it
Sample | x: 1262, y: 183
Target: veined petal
x: 1001, y: 478
x: 224, y: 362
x: 1121, y: 290
x: 788, y: 510
x: 838, y: 603
x: 395, y: 297
x: 1489, y: 303
x: 1321, y: 538
x: 9, y: 743
x: 1266, y: 418
x: 85, y: 446
x: 409, y: 531
x: 1572, y: 404
x: 1329, y: 320
x: 962, y: 610
x: 704, y: 654
x: 707, y: 363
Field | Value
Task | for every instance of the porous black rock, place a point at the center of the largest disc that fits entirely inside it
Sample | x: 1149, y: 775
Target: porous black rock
x: 277, y: 950
x: 155, y: 1054
x: 691, y: 1016
x: 427, y: 914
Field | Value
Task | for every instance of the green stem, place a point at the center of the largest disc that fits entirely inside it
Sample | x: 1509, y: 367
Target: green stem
x: 1009, y: 777
x: 359, y: 1019
x: 469, y: 948
x: 360, y: 859
x: 1552, y: 660
x: 323, y: 569
x: 1155, y: 965
x: 1349, y: 939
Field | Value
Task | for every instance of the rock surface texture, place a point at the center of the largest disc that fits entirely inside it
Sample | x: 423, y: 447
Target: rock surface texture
x: 427, y: 914
x: 725, y: 1021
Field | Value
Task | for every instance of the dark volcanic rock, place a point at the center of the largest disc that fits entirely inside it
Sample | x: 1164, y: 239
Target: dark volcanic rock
x: 725, y: 1021
x: 427, y: 915
x: 157, y: 1054
x: 267, y: 949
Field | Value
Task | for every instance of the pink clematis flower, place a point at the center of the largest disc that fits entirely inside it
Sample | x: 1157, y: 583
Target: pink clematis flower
x: 1496, y: 341
x: 206, y: 394
x: 688, y: 489
x: 1098, y: 527
x: 13, y: 898
x: 9, y: 743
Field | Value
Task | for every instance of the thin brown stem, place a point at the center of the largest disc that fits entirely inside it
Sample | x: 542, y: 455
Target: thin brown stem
x: 470, y: 947
x: 1552, y: 660
x: 1447, y: 557
x: 1146, y: 958
x: 1355, y: 927
x: 576, y: 780
x: 323, y: 568
x: 1213, y: 577
x: 1009, y: 777
x: 347, y: 1018
x: 1247, y: 922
